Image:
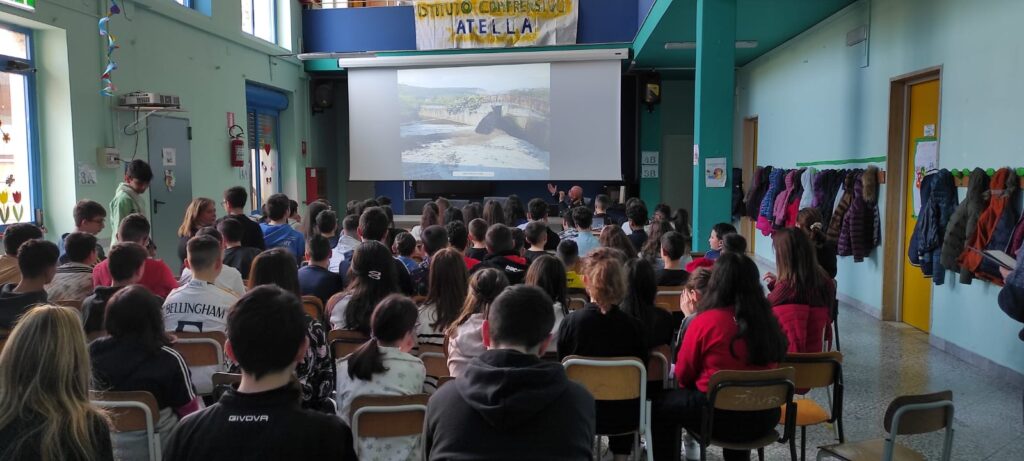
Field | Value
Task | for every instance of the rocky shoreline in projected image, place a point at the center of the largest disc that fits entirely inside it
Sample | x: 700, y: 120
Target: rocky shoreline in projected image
x: 499, y: 130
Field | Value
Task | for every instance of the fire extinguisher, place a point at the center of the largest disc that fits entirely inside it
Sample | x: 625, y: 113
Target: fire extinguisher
x: 237, y: 146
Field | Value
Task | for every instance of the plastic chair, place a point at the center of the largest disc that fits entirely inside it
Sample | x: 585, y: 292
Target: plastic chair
x: 668, y: 298
x: 749, y: 391
x: 906, y: 415
x: 313, y: 307
x: 345, y: 342
x: 576, y: 303
x: 387, y: 416
x: 659, y: 367
x: 816, y: 370
x: 132, y: 411
x: 616, y: 378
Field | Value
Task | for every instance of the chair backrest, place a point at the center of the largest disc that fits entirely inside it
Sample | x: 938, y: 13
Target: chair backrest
x: 919, y: 414
x: 388, y: 416
x: 611, y: 378
x: 576, y: 303
x: 751, y: 390
x: 815, y: 369
x: 432, y: 348
x: 313, y: 307
x: 345, y: 342
x: 658, y: 365
x: 199, y: 351
x: 129, y: 411
x: 226, y: 379
x: 668, y: 298
x: 435, y: 363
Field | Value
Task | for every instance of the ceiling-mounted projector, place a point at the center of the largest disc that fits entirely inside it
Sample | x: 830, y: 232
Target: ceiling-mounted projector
x: 149, y: 99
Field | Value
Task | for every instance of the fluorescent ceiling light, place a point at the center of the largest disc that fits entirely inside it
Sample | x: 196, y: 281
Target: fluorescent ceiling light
x: 475, y: 58
x: 741, y: 44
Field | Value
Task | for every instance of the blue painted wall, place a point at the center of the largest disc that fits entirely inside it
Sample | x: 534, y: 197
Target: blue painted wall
x: 814, y: 101
x: 393, y: 29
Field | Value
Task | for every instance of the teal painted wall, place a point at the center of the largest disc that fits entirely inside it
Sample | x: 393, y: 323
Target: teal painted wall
x: 677, y: 143
x: 206, y: 60
x: 815, y: 101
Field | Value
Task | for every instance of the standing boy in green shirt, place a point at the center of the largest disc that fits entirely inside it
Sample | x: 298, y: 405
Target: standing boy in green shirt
x: 128, y: 196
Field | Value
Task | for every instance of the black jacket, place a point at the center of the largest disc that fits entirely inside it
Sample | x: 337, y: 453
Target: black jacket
x: 253, y: 235
x: 262, y: 426
x: 12, y: 304
x: 510, y: 405
x: 94, y: 307
x: 514, y: 266
x: 125, y: 365
x: 241, y: 259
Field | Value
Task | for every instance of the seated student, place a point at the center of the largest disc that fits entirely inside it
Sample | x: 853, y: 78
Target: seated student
x: 295, y: 219
x: 536, y: 235
x: 465, y: 338
x: 405, y: 248
x: 477, y: 236
x: 315, y: 373
x: 601, y: 329
x: 200, y: 305
x: 433, y: 239
x: 347, y: 241
x: 234, y: 205
x: 90, y: 218
x: 13, y: 237
x: 229, y: 278
x: 156, y: 276
x: 689, y: 299
x: 515, y: 215
x: 518, y: 239
x: 673, y: 247
x: 802, y: 294
x: 458, y: 238
x: 716, y: 241
x: 471, y: 211
x: 493, y: 213
x: 624, y: 219
x: 537, y: 209
x: 548, y: 274
x: 370, y: 279
x: 446, y: 294
x: 277, y: 233
x: 583, y: 218
x: 136, y: 356
x: 235, y: 255
x: 327, y: 226
x: 128, y: 198
x: 809, y: 221
x: 201, y: 212
x: 715, y: 341
x: 73, y: 281
x: 45, y: 411
x: 641, y: 290
x: 540, y: 413
x: 453, y: 214
x: 127, y: 262
x: 373, y: 225
x: 431, y: 217
x: 569, y: 254
x: 309, y: 225
x: 569, y: 231
x: 315, y: 279
x: 612, y: 237
x: 501, y: 254
x: 601, y: 216
x: 384, y: 366
x: 651, y: 251
x: 637, y: 215
x: 37, y: 260
x: 262, y: 419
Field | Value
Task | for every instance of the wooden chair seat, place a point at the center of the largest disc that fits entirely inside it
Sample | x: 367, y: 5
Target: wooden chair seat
x: 667, y: 298
x: 870, y: 450
x: 808, y: 413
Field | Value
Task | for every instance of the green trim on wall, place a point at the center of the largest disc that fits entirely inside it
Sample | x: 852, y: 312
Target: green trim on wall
x: 851, y: 161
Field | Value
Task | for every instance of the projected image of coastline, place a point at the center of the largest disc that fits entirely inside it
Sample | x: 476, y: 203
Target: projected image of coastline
x: 475, y: 123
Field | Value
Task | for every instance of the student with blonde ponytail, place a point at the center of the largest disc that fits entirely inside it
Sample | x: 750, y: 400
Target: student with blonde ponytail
x: 45, y: 412
x: 809, y: 220
x: 383, y: 366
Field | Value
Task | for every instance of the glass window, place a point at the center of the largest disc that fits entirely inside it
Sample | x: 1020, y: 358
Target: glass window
x: 17, y: 168
x: 185, y: 3
x: 263, y: 154
x: 258, y: 18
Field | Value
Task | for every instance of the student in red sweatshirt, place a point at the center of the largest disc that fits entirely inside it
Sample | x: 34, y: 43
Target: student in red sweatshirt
x: 734, y: 330
x: 156, y: 276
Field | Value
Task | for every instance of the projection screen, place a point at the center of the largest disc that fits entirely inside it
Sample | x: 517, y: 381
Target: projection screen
x: 507, y: 122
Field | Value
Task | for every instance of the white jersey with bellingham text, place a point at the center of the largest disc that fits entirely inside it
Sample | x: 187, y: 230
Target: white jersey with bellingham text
x: 198, y: 306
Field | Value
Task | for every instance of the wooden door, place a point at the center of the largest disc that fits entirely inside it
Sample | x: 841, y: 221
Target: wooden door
x: 922, y: 120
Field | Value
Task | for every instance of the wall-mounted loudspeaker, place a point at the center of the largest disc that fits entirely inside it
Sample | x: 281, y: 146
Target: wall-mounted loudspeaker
x: 322, y: 94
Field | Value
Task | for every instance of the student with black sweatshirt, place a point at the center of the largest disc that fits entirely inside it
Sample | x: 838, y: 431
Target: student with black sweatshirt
x: 501, y: 254
x: 507, y: 400
x: 232, y: 231
x: 315, y: 279
x: 538, y: 211
x: 477, y: 234
x: 234, y: 206
x: 601, y: 329
x: 263, y: 418
x: 673, y: 248
x: 37, y: 260
x: 537, y: 236
x: 126, y: 262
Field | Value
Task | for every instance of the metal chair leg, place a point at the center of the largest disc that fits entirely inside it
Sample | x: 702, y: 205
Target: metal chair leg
x: 760, y: 454
x: 803, y: 443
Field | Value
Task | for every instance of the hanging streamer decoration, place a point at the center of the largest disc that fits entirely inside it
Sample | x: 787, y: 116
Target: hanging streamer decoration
x: 108, y: 84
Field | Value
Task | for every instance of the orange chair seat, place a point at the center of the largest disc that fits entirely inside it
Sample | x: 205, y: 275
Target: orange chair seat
x: 808, y: 413
x: 870, y: 450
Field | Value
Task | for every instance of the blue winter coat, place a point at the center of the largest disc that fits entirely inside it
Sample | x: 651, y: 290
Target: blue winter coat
x: 938, y: 203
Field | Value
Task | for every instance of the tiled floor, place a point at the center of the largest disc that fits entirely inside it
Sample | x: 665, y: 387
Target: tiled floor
x: 883, y: 360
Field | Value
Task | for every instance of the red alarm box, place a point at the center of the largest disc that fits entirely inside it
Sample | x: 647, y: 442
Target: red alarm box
x: 316, y: 184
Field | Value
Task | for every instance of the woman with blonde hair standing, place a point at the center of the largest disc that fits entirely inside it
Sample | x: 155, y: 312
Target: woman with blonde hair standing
x: 201, y: 212
x: 45, y: 411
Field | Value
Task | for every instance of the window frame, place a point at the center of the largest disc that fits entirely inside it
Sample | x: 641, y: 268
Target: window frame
x: 35, y: 186
x: 256, y: 110
x: 186, y: 3
x: 273, y: 22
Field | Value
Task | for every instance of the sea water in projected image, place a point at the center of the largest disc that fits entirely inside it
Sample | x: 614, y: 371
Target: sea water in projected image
x: 484, y: 123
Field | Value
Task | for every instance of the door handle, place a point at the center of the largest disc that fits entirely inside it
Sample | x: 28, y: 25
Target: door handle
x: 156, y: 205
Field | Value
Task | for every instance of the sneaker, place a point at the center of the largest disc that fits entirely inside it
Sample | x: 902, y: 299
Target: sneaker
x: 691, y: 447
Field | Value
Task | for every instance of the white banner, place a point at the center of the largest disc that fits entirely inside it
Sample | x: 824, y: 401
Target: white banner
x: 443, y: 24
